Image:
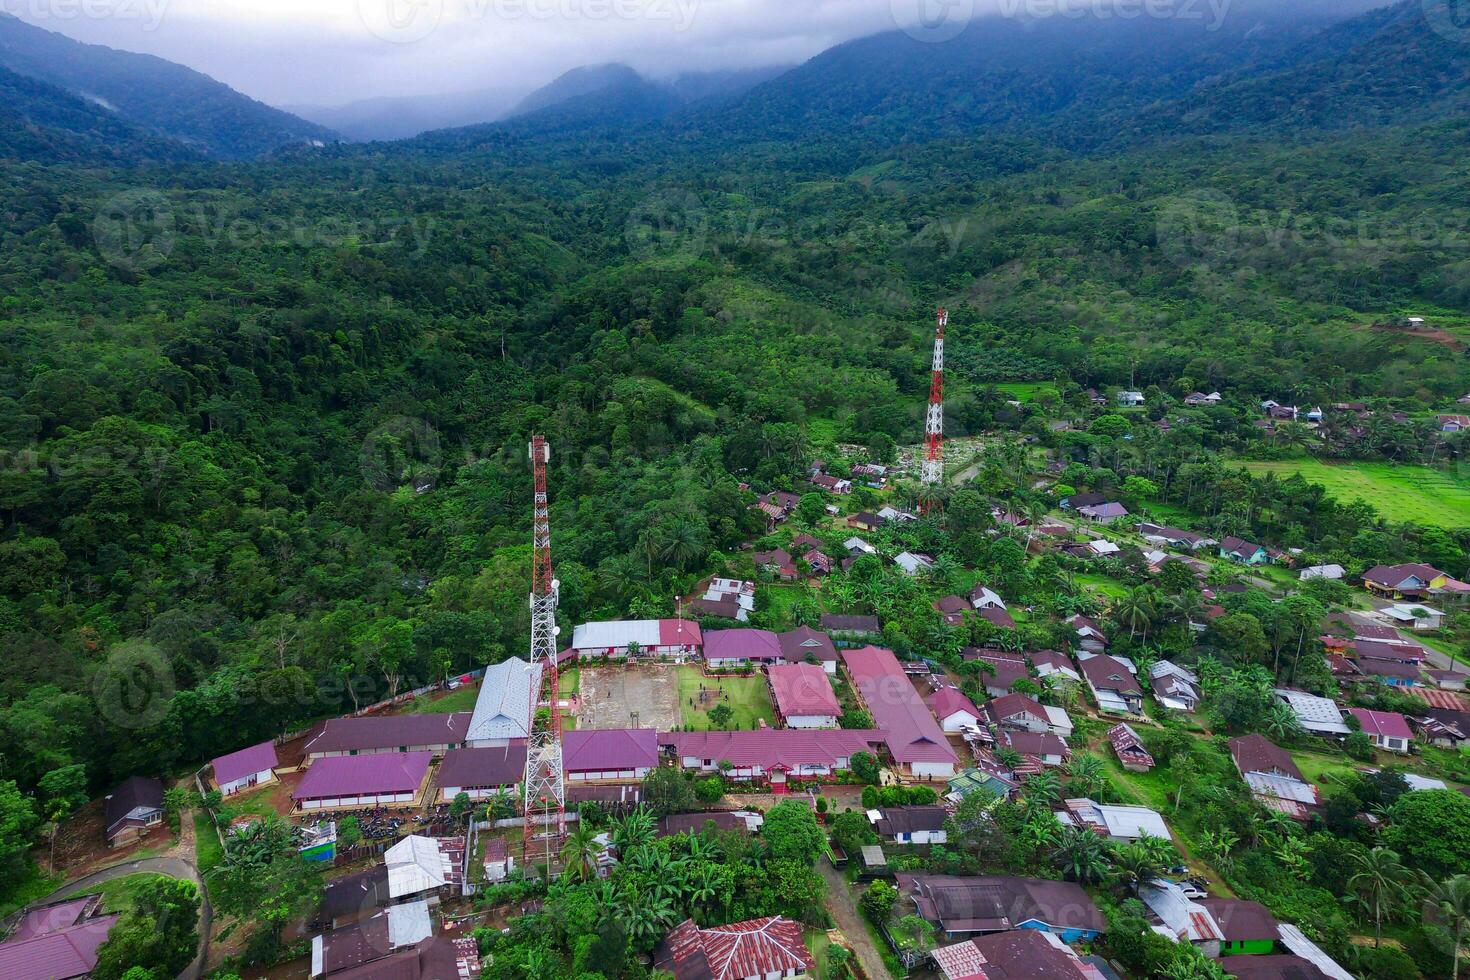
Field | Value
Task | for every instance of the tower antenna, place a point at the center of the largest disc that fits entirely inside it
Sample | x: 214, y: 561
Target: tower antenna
x: 545, y: 782
x: 931, y: 471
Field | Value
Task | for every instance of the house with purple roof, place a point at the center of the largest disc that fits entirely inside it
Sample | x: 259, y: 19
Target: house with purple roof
x: 57, y: 942
x: 608, y: 755
x: 732, y: 649
x: 241, y: 770
x: 341, y: 782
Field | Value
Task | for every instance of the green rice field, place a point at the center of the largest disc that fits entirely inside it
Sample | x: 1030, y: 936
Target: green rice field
x: 1025, y: 391
x: 1433, y: 497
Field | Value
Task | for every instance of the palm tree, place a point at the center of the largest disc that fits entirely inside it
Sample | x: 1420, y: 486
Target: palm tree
x: 1085, y: 773
x: 580, y: 853
x: 645, y: 916
x: 1045, y: 787
x: 1281, y: 723
x: 1081, y: 855
x: 632, y: 831
x: 1451, y: 900
x: 1381, y: 885
x: 1136, y: 865
x: 1134, y: 609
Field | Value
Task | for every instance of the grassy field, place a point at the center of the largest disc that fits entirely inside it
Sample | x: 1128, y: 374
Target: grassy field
x: 119, y: 894
x: 1324, y: 770
x: 460, y: 699
x: 1400, y: 493
x: 208, y: 851
x: 1026, y: 391
x: 750, y: 699
x: 1110, y: 588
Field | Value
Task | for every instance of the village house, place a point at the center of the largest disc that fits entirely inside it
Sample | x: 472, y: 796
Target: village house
x: 894, y: 514
x: 1314, y: 714
x: 1440, y: 732
x: 1412, y: 616
x: 952, y: 609
x: 57, y: 941
x: 733, y: 649
x: 864, y: 521
x: 1005, y: 670
x: 675, y: 640
x: 244, y: 769
x: 1246, y: 928
x: 910, y: 824
x: 497, y: 860
x: 1160, y: 534
x: 915, y: 741
x: 1089, y: 635
x: 1409, y: 581
x: 1113, y: 685
x: 984, y: 597
x: 1085, y: 499
x: 771, y: 755
x: 1023, y: 954
x: 1120, y: 824
x: 427, y: 868
x: 806, y: 645
x: 1196, y: 399
x: 1452, y: 423
x: 1174, y: 687
x: 502, y: 709
x: 1017, y: 711
x: 764, y: 949
x: 831, y: 484
x: 1129, y: 749
x: 851, y: 628
x: 803, y: 696
x: 969, y: 906
x: 1104, y: 513
x: 341, y: 782
x: 609, y: 755
x: 727, y: 598
x: 777, y: 562
x: 1056, y: 665
x: 856, y: 546
x: 954, y: 711
x: 134, y: 807
x: 978, y: 779
x: 354, y: 946
x: 818, y: 561
x: 1130, y: 399
x: 999, y: 618
x: 1244, y: 552
x: 1041, y: 748
x: 912, y: 563
x: 1273, y: 778
x: 1388, y: 730
x: 482, y: 773
x: 1332, y: 572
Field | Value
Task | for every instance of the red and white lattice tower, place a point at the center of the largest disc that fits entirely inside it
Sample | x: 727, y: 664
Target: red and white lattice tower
x: 931, y: 472
x: 546, y: 792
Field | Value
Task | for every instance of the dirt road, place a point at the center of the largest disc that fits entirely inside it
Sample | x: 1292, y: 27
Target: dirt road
x: 850, y: 920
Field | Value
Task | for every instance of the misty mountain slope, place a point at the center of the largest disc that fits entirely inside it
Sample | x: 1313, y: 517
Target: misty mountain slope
x: 402, y: 117
x: 1061, y: 75
x: 155, y: 94
x: 1387, y: 67
x: 43, y: 123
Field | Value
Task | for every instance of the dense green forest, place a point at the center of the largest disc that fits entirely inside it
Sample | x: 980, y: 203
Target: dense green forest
x: 263, y: 424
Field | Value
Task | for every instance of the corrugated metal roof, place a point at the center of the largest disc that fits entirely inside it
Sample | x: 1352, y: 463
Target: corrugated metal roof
x: 909, y: 728
x: 508, y: 693
x: 245, y: 762
x: 363, y: 775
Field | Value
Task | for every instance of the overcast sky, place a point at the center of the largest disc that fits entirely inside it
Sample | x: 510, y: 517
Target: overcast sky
x: 335, y: 51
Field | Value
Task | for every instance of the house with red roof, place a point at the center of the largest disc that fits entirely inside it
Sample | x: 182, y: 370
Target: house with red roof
x: 59, y: 944
x: 1113, y: 684
x: 1017, y: 711
x: 804, y: 645
x: 1388, y: 730
x: 803, y: 696
x: 482, y: 773
x: 1002, y: 669
x: 771, y: 755
x: 732, y: 649
x: 1090, y: 636
x: 765, y: 948
x: 1020, y: 954
x: 954, y: 711
x: 952, y: 609
x: 1273, y: 777
x: 778, y: 562
x: 608, y: 755
x: 675, y: 640
x: 916, y: 743
x: 391, y: 779
x: 241, y: 770
x: 1129, y: 748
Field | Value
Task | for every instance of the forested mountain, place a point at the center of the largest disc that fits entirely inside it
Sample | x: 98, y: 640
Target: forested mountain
x: 154, y: 94
x: 41, y: 122
x: 400, y: 117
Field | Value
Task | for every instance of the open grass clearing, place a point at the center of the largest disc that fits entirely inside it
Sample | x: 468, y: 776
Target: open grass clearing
x: 208, y: 851
x: 439, y: 703
x: 1421, y: 494
x: 1324, y: 770
x: 747, y: 697
x: 119, y: 894
x: 1026, y: 391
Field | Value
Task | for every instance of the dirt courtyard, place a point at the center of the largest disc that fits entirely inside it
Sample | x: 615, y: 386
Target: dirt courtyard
x: 610, y: 696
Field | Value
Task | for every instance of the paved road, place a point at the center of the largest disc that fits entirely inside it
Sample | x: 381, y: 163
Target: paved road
x: 173, y: 867
x: 1435, y: 659
x: 850, y: 920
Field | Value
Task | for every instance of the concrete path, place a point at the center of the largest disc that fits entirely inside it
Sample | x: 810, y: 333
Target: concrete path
x: 174, y: 867
x: 850, y: 920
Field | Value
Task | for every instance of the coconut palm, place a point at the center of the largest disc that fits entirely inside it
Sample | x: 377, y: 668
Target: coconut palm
x: 1135, y: 610
x: 1136, y: 865
x: 1381, y: 885
x: 1450, y: 899
x: 1085, y: 774
x: 580, y: 854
